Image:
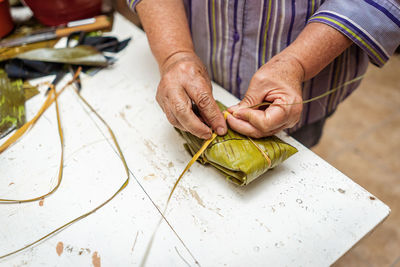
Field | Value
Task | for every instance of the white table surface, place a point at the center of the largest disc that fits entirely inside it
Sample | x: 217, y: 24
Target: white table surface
x: 303, y: 213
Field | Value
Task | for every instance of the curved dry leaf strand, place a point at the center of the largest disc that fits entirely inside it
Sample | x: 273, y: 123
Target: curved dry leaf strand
x: 262, y: 152
x: 312, y: 99
x: 52, y: 97
x: 60, y: 168
x: 193, y: 160
x: 99, y: 206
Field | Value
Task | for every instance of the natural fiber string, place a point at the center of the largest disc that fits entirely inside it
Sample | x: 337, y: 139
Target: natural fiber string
x: 60, y: 168
x: 312, y: 99
x: 262, y: 151
x: 52, y: 97
x: 193, y: 160
x: 99, y: 206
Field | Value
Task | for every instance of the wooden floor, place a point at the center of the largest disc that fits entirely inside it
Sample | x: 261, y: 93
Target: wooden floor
x: 362, y: 139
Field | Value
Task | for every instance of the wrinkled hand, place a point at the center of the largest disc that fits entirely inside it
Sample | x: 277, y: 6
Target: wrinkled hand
x: 184, y: 79
x: 278, y: 81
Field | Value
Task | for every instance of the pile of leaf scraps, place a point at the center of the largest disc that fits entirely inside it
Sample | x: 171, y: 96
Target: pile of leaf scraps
x: 25, y: 64
x: 15, y: 91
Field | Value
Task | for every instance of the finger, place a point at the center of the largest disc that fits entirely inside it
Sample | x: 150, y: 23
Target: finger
x: 201, y: 94
x: 171, y: 118
x: 255, y: 93
x: 233, y: 109
x: 181, y: 107
x: 243, y: 127
x: 247, y: 129
x: 273, y: 132
x: 272, y: 118
x: 174, y: 121
x: 292, y: 106
x: 261, y: 119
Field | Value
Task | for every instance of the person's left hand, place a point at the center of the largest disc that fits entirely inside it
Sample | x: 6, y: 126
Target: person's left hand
x: 279, y: 82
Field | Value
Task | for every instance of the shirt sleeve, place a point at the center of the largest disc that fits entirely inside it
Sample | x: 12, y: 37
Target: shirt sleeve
x: 374, y: 25
x: 132, y: 4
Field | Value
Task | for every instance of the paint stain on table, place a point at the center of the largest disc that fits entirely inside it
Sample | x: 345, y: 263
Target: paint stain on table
x: 341, y: 190
x: 197, y: 197
x: 149, y: 177
x: 96, y: 259
x: 60, y: 248
x: 122, y: 115
x: 41, y: 203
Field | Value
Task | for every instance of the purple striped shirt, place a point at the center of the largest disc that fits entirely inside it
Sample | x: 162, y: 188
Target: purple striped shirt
x: 234, y: 38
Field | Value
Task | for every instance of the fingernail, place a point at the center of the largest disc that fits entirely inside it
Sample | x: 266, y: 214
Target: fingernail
x: 207, y: 136
x: 236, y: 114
x: 221, y: 131
x: 233, y: 108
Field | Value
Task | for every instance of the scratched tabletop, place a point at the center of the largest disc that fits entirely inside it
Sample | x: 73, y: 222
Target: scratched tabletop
x: 302, y: 213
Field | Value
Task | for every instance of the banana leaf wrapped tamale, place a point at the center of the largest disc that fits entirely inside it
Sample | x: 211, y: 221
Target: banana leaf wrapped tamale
x: 12, y: 104
x: 239, y: 158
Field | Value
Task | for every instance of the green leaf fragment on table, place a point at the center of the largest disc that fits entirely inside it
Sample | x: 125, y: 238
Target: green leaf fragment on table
x: 79, y: 55
x: 12, y: 52
x: 237, y: 157
x: 12, y: 104
x: 30, y: 90
x: 27, y: 28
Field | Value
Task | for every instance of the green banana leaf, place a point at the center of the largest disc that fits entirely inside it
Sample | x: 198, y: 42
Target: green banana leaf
x: 11, y: 52
x: 12, y: 104
x: 79, y: 55
x: 25, y: 29
x: 237, y: 157
x: 29, y: 90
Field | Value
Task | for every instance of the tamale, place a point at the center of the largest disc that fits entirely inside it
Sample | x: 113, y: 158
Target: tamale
x: 239, y: 158
x: 12, y: 104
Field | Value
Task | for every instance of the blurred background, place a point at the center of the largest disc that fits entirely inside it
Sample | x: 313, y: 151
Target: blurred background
x: 362, y: 140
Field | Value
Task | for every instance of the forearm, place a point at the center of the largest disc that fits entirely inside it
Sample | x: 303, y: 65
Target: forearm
x: 316, y: 46
x: 166, y: 27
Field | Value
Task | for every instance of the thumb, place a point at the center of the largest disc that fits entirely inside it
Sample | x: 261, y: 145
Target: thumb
x: 251, y: 98
x: 255, y: 93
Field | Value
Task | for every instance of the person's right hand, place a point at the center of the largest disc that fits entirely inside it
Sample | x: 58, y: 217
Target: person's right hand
x: 184, y: 79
